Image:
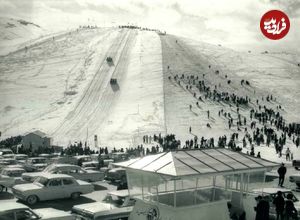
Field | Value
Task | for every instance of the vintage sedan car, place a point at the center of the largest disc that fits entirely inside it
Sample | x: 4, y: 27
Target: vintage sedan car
x: 76, y: 171
x: 116, y: 205
x: 64, y: 159
x: 85, y: 161
x: 116, y: 175
x: 35, y: 164
x: 296, y: 164
x: 14, y: 172
x: 50, y: 187
x: 11, y: 210
x: 6, y: 182
x: 295, y: 178
x: 6, y: 153
x: 4, y: 162
x: 21, y: 158
x: 271, y: 194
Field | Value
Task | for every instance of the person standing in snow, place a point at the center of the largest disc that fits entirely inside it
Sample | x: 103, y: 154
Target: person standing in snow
x: 279, y: 204
x: 262, y: 209
x: 290, y: 210
x: 288, y: 154
x: 281, y: 171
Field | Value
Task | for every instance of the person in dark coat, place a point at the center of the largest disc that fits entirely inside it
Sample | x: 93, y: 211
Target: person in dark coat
x: 262, y: 209
x: 290, y: 210
x: 281, y: 171
x: 279, y: 204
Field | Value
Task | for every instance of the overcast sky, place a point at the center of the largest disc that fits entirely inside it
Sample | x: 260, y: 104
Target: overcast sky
x: 234, y: 23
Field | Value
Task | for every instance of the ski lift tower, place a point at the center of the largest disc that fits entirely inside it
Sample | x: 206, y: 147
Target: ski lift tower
x: 194, y: 184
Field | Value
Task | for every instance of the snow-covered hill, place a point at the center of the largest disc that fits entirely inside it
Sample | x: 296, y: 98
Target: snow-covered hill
x: 61, y: 85
x: 15, y: 32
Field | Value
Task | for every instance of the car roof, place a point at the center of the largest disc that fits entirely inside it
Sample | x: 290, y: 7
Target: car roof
x: 5, y: 149
x: 54, y: 176
x: 271, y: 190
x: 119, y: 168
x: 94, y: 207
x: 13, y: 168
x: 21, y: 155
x: 120, y: 193
x: 64, y: 165
x: 36, y: 158
x: 7, y: 205
x: 81, y: 156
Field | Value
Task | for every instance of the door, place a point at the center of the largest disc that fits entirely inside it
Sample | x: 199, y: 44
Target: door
x: 70, y: 186
x: 54, y: 190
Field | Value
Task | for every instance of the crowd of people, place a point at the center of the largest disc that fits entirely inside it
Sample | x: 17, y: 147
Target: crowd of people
x: 208, y: 92
x: 267, y: 124
x: 285, y: 208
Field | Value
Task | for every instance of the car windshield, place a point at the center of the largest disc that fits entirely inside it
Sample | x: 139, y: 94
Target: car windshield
x: 42, y: 181
x: 39, y: 160
x: 49, y: 168
x: 86, y: 159
x: 21, y: 157
x: 114, y: 200
x: 6, y: 152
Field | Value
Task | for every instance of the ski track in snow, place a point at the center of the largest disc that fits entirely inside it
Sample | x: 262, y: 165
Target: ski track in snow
x: 91, y: 99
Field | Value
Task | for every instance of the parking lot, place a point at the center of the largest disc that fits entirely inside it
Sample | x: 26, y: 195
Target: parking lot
x: 102, y: 187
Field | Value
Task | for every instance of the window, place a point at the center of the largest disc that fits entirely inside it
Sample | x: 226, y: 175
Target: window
x: 26, y: 215
x: 42, y: 180
x: 7, y: 216
x: 68, y: 181
x: 55, y: 182
x: 81, y: 171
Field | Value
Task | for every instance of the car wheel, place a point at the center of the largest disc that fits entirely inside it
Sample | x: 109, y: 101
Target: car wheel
x: 32, y: 199
x: 298, y: 184
x: 1, y: 188
x: 75, y: 195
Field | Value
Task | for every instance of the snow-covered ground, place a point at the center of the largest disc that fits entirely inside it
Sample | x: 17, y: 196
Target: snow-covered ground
x: 15, y: 32
x: 276, y: 74
x: 61, y: 85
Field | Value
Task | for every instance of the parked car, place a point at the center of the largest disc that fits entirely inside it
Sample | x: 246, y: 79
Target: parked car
x: 6, y: 153
x: 4, y: 162
x: 119, y: 156
x: 50, y: 187
x: 48, y: 156
x: 295, y: 178
x: 64, y: 159
x: 85, y: 160
x: 116, y: 205
x: 296, y: 164
x: 35, y: 164
x: 116, y: 175
x: 271, y: 194
x: 73, y: 170
x: 6, y: 182
x: 21, y: 158
x: 11, y: 210
x: 14, y: 172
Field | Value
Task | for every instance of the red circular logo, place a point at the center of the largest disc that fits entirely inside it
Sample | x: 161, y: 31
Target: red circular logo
x: 275, y: 24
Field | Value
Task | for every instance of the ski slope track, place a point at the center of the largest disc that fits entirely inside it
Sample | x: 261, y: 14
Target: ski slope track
x: 98, y: 97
